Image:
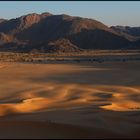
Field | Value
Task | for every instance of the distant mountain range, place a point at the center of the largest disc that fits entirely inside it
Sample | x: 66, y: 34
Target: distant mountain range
x: 63, y: 33
x: 134, y: 31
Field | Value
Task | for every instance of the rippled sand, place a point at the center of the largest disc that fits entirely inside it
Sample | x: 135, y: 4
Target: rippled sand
x: 86, y: 100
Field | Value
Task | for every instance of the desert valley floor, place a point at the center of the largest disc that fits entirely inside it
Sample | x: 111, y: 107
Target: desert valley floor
x: 76, y: 100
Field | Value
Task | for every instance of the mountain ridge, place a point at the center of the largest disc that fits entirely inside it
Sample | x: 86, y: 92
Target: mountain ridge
x: 66, y: 33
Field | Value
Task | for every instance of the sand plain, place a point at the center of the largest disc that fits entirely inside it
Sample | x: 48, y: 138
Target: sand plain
x: 76, y: 100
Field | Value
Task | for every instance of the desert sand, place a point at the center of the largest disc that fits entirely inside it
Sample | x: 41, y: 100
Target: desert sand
x: 79, y: 100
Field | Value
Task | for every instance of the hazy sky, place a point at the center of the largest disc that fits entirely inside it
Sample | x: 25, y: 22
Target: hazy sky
x: 110, y: 13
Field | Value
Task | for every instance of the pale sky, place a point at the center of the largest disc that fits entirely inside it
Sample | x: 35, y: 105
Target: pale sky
x: 108, y: 12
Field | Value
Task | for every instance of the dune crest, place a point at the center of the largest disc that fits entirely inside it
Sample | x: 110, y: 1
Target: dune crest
x: 67, y: 96
x: 126, y: 106
x: 26, y: 106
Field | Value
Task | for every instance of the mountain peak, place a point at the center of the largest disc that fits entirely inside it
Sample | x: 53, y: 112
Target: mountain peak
x: 45, y: 14
x: 30, y: 19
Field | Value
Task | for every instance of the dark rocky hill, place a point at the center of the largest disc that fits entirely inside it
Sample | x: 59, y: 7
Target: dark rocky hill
x: 55, y: 33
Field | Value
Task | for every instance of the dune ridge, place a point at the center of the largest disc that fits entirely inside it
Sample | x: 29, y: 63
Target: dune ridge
x: 61, y: 96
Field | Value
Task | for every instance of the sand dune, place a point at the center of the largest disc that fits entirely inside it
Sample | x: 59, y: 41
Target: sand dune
x: 73, y: 95
x: 82, y: 96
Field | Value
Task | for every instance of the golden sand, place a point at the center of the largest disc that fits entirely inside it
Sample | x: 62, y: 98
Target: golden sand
x: 93, y: 98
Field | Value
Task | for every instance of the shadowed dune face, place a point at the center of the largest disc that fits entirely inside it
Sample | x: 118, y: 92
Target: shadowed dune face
x: 98, y: 99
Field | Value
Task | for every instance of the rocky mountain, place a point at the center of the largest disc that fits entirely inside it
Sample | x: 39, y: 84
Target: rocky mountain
x: 133, y: 31
x: 61, y: 33
x: 17, y: 25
